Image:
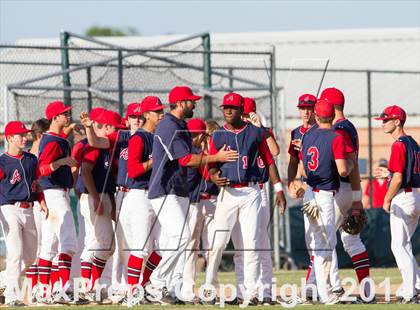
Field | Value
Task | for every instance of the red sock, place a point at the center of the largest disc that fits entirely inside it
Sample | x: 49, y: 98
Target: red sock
x: 64, y: 268
x: 32, y: 274
x: 98, y: 266
x: 308, y: 274
x: 55, y: 276
x: 151, y: 264
x: 44, y: 271
x: 86, y: 269
x: 361, y: 265
x: 134, y: 269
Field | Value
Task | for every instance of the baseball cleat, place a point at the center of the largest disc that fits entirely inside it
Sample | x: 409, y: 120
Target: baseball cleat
x: 412, y: 300
x: 359, y: 301
x: 15, y: 303
x: 267, y: 301
x: 235, y: 302
x: 340, y: 292
x: 207, y: 294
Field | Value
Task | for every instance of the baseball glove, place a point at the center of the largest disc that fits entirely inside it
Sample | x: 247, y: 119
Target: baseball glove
x: 311, y: 209
x: 355, y: 222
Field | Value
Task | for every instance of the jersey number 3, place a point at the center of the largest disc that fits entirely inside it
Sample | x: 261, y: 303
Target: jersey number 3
x: 313, y: 154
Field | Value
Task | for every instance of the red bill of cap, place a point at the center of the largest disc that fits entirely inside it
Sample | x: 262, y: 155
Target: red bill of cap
x: 324, y: 108
x: 110, y: 118
x: 182, y: 93
x: 196, y: 125
x: 392, y: 112
x: 133, y: 109
x: 249, y: 105
x: 14, y: 128
x: 55, y: 108
x: 306, y: 100
x: 333, y: 95
x: 151, y: 103
x: 233, y: 100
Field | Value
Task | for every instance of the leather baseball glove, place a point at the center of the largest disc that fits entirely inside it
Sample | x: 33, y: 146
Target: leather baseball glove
x: 355, y: 222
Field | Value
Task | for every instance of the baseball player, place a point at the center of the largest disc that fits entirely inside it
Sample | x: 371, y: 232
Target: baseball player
x: 402, y: 199
x: 18, y: 191
x: 240, y: 198
x: 197, y: 184
x: 323, y: 153
x: 59, y: 230
x: 349, y: 198
x: 137, y: 215
x: 266, y: 265
x: 97, y: 186
x: 167, y: 191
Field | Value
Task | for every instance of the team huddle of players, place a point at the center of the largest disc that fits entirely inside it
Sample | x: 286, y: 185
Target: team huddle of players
x: 155, y: 189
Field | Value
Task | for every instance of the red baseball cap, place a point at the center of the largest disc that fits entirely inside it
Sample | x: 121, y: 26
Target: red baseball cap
x: 110, y: 118
x: 182, y: 93
x: 324, y: 108
x: 14, y: 128
x: 249, y: 105
x: 123, y: 123
x: 55, y: 108
x: 333, y: 95
x: 391, y: 112
x: 151, y: 103
x: 133, y: 109
x: 96, y: 113
x: 233, y: 100
x: 306, y: 100
x: 196, y: 125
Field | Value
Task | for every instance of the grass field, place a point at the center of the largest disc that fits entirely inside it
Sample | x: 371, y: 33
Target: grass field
x: 294, y: 277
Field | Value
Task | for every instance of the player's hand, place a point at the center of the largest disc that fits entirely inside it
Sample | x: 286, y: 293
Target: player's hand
x: 97, y: 205
x: 85, y: 120
x: 387, y: 206
x: 281, y: 202
x: 68, y: 161
x: 357, y: 205
x: 43, y: 208
x: 297, y: 144
x: 254, y: 119
x: 296, y: 189
x: 225, y: 156
x: 381, y: 173
x: 218, y: 180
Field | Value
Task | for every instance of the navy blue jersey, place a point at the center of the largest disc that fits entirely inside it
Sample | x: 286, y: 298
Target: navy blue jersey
x: 62, y: 177
x: 172, y: 141
x: 121, y: 150
x: 18, y: 182
x: 246, y: 142
x: 208, y: 187
x: 142, y: 182
x: 347, y: 126
x: 319, y: 152
x: 101, y: 173
x: 194, y: 179
x: 411, y: 174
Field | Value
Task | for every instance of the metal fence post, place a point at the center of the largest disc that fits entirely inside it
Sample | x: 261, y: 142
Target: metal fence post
x: 369, y: 98
x: 89, y: 84
x: 208, y: 111
x: 65, y: 65
x: 120, y: 83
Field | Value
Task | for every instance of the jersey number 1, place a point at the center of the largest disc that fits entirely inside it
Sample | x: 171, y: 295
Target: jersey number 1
x: 313, y: 153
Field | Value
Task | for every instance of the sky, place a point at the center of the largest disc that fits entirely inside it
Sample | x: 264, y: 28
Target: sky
x: 45, y: 19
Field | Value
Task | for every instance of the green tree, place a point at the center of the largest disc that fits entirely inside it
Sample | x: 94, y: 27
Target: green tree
x: 104, y: 31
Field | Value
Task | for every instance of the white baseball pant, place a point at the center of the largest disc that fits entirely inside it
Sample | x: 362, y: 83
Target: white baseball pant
x: 99, y: 230
x: 19, y: 232
x: 405, y: 214
x: 59, y: 229
x: 75, y: 264
x: 172, y: 215
x: 263, y: 245
x: 236, y: 205
x: 322, y: 233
